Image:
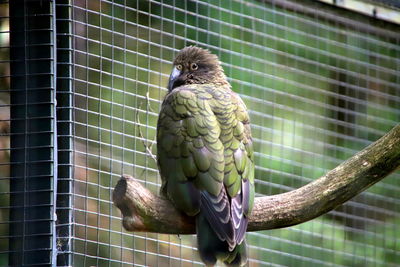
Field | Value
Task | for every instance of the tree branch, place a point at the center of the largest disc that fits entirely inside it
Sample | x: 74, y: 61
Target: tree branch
x: 147, y: 212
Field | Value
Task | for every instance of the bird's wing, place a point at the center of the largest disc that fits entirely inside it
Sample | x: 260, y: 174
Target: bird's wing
x: 239, y: 172
x: 191, y: 158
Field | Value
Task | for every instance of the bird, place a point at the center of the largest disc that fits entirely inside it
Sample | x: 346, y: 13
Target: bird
x: 205, y: 155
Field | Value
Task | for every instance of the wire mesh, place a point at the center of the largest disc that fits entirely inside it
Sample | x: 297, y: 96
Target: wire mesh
x: 28, y: 134
x: 4, y: 132
x: 320, y: 83
x: 65, y: 132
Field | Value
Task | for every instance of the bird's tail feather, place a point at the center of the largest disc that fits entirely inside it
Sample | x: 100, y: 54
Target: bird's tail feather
x: 211, y: 248
x: 238, y: 257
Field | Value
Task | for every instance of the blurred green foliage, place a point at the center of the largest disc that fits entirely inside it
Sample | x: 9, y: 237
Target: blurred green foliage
x: 318, y: 92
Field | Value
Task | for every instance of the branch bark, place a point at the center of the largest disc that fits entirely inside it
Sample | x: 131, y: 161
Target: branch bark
x: 146, y: 212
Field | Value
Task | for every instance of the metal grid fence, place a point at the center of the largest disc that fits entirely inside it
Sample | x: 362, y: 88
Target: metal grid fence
x: 321, y: 83
x: 29, y: 144
x: 4, y: 133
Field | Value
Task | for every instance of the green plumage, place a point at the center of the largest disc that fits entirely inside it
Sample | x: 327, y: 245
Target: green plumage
x: 206, y: 163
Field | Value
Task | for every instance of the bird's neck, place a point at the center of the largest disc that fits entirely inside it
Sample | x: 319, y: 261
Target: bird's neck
x: 220, y: 80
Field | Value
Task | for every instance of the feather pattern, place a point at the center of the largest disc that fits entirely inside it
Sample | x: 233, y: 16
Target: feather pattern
x: 217, y: 212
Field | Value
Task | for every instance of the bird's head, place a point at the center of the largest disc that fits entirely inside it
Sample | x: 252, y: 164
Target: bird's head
x: 195, y: 65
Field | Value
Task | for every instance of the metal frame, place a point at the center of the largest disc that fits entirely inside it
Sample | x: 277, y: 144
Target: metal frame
x: 380, y: 9
x: 65, y: 132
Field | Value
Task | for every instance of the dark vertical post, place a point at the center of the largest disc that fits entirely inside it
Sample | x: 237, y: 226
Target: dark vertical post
x: 33, y: 133
x: 65, y: 131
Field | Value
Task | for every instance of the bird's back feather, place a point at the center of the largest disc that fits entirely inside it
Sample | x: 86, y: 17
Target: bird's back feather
x: 205, y: 159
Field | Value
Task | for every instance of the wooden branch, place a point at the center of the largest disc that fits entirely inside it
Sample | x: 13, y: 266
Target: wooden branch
x: 147, y: 212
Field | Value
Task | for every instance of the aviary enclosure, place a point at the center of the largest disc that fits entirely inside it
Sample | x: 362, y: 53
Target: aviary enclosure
x: 81, y: 84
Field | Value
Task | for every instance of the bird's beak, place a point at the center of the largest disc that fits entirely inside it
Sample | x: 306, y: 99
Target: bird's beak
x: 175, y: 74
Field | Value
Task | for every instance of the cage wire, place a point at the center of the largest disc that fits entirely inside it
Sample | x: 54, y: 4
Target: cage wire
x: 4, y: 133
x: 320, y: 83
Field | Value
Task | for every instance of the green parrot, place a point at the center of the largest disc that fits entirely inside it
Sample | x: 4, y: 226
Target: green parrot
x: 205, y: 155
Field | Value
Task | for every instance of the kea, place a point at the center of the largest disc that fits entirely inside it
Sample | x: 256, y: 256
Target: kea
x: 205, y: 155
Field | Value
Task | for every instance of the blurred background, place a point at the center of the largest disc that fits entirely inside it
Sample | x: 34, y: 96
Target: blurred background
x: 320, y: 82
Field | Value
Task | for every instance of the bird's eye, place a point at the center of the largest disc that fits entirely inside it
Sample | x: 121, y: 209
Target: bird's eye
x: 194, y: 66
x: 179, y: 67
